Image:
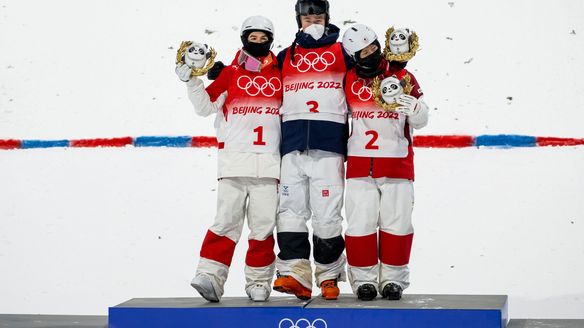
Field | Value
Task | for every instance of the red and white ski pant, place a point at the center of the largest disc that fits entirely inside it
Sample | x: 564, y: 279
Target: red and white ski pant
x: 237, y: 197
x: 311, y: 187
x: 379, y: 257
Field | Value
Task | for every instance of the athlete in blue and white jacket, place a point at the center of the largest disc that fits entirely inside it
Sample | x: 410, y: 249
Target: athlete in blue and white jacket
x: 314, y: 144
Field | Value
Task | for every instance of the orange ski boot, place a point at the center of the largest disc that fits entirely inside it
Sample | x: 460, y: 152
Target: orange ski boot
x: 329, y: 289
x: 289, y: 285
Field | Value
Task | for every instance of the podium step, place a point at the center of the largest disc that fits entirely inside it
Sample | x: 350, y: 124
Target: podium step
x: 546, y: 323
x: 87, y: 321
x: 413, y: 311
x: 52, y: 321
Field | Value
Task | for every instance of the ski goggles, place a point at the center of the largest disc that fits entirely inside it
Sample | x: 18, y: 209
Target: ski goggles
x: 249, y: 62
x: 312, y: 8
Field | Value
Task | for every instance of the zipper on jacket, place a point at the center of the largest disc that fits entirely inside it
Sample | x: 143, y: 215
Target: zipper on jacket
x: 258, y: 165
x: 307, y: 134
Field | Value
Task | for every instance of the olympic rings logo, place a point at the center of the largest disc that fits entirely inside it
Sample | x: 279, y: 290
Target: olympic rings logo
x: 314, y: 61
x: 302, y: 323
x: 364, y: 93
x: 259, y: 84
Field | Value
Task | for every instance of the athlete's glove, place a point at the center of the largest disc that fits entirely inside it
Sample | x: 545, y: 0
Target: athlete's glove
x: 214, y: 72
x: 409, y: 105
x: 183, y: 72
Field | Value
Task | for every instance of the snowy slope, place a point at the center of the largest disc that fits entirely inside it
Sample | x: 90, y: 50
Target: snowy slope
x: 82, y: 229
x: 73, y: 69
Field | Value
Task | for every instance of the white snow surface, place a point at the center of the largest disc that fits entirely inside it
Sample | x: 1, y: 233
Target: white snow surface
x: 84, y: 229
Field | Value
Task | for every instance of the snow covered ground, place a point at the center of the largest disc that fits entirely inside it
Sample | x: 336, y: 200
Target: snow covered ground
x: 83, y: 229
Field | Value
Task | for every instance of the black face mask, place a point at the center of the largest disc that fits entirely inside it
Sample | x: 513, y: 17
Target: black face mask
x: 257, y: 49
x: 369, y: 66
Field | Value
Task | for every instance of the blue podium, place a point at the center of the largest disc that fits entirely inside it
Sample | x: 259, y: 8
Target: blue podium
x: 413, y: 311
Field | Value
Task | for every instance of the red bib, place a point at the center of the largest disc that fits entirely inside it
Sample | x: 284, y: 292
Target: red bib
x: 314, y: 81
x: 251, y: 115
x: 375, y: 132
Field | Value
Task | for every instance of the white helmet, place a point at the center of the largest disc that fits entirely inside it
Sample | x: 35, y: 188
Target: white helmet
x: 257, y: 23
x: 358, y: 37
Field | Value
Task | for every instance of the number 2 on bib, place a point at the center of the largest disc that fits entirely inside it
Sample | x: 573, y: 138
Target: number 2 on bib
x: 260, y: 136
x: 371, y: 144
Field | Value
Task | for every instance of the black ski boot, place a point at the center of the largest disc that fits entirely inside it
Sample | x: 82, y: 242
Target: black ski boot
x: 392, y: 292
x: 366, y: 292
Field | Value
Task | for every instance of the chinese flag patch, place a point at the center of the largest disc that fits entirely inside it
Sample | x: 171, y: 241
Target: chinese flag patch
x: 325, y: 193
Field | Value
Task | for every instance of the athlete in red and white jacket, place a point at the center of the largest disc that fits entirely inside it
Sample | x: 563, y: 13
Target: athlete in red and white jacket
x: 248, y: 132
x: 380, y: 172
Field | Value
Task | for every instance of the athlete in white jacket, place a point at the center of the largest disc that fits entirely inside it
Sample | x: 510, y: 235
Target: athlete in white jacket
x: 248, y: 133
x: 380, y: 171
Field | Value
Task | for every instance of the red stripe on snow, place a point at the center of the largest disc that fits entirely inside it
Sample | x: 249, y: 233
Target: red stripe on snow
x: 204, y: 142
x: 362, y: 250
x: 260, y: 252
x: 393, y: 249
x: 10, y: 144
x: 113, y: 142
x: 550, y: 141
x: 218, y: 248
x: 443, y: 141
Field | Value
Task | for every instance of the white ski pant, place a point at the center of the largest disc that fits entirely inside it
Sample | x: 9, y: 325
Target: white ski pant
x: 311, y: 186
x: 382, y: 258
x: 256, y: 198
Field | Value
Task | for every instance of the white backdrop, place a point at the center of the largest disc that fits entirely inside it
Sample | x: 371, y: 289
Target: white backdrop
x: 83, y: 229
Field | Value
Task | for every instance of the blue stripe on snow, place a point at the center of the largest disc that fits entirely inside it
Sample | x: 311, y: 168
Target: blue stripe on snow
x: 183, y: 141
x: 505, y: 141
x: 44, y: 143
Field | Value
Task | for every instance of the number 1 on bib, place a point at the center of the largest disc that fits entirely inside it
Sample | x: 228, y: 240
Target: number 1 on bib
x: 260, y: 136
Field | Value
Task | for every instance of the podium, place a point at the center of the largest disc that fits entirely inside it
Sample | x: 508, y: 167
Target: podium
x: 412, y: 311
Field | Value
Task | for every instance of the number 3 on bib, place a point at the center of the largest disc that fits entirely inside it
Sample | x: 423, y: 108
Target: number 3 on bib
x: 260, y: 136
x: 371, y: 144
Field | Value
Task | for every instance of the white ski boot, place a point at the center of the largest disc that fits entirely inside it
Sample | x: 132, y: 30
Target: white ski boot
x: 205, y: 287
x: 258, y: 293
